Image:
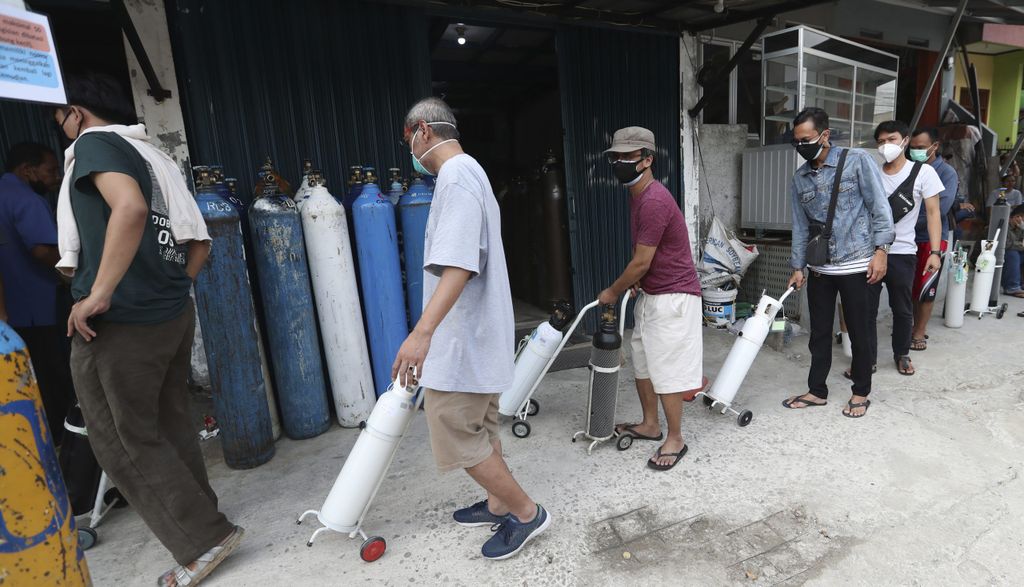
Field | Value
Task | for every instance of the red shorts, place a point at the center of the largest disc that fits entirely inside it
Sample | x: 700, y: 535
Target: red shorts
x: 926, y: 284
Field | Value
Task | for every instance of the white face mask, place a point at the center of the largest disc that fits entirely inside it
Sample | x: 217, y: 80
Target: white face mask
x: 891, y: 151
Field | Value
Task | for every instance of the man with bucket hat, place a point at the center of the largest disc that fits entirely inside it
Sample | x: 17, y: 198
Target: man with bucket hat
x: 667, y: 346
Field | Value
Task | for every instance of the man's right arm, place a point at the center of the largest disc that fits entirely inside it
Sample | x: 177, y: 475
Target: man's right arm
x: 46, y: 255
x: 797, y: 257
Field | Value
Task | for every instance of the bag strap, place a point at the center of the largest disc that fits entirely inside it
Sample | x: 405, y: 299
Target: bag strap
x: 908, y: 184
x: 827, y: 231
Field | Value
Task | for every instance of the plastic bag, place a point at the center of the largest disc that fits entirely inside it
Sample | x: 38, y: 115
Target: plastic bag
x: 726, y: 258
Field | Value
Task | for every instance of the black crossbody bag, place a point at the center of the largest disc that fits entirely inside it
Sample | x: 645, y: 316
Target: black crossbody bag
x: 902, y: 200
x: 821, y: 234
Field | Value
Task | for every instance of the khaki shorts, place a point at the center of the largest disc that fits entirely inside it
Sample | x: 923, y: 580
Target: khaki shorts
x: 462, y: 427
x: 667, y: 344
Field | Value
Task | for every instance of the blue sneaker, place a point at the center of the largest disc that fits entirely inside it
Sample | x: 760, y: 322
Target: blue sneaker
x: 477, y: 515
x: 513, y: 535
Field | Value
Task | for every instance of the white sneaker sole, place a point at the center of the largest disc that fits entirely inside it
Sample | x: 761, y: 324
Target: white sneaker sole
x: 537, y: 532
x: 475, y: 524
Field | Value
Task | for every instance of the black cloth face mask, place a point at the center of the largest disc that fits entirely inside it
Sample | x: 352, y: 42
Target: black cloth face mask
x: 626, y: 173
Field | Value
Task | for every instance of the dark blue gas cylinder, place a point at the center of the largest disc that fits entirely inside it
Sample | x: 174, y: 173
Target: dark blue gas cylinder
x: 283, y: 272
x: 413, y: 211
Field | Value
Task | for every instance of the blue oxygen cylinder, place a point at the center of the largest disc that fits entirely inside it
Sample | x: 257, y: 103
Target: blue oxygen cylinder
x: 381, y: 278
x: 220, y: 182
x: 413, y: 211
x: 396, y: 188
x: 226, y: 313
x: 291, y: 325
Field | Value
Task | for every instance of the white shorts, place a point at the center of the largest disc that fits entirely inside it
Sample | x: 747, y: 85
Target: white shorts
x: 667, y: 344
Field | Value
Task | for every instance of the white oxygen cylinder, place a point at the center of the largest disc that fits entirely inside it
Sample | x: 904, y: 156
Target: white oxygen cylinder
x: 847, y: 344
x: 337, y: 303
x: 303, y: 192
x: 369, y: 460
x: 745, y: 349
x: 542, y: 345
x: 984, y: 271
x: 956, y: 295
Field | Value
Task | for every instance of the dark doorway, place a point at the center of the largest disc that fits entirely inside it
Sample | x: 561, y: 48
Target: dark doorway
x: 502, y: 83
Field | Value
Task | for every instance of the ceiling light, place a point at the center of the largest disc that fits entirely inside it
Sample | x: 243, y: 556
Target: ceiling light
x: 460, y: 29
x: 720, y: 6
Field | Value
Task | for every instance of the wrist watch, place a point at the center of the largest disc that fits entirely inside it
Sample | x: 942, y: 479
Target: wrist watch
x: 883, y: 248
x: 939, y: 253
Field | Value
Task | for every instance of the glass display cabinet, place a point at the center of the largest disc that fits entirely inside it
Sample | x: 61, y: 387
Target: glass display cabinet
x: 804, y: 67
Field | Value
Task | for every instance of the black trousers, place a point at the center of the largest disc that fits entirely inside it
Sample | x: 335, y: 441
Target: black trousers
x: 856, y: 295
x: 899, y: 281
x: 51, y: 358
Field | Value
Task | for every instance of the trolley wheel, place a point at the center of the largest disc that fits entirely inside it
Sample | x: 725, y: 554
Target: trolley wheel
x: 362, y: 424
x: 533, y: 408
x: 373, y: 548
x: 113, y: 495
x: 744, y: 418
x: 624, y: 442
x: 1001, y: 311
x: 708, y: 401
x: 87, y: 537
x: 520, y: 428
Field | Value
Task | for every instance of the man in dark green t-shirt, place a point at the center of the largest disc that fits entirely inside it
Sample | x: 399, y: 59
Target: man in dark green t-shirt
x: 132, y: 325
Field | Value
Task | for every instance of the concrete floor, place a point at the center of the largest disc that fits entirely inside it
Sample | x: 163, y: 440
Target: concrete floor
x: 925, y: 490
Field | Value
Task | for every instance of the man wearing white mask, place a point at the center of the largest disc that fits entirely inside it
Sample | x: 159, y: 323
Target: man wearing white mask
x: 462, y: 347
x: 906, y: 184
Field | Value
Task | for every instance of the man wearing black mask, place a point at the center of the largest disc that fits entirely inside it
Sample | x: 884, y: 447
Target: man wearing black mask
x: 845, y: 245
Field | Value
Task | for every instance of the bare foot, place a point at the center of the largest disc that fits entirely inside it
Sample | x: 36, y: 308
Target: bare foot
x: 807, y: 400
x: 861, y: 403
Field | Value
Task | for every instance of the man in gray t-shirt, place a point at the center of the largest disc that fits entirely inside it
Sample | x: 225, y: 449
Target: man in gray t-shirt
x: 462, y: 347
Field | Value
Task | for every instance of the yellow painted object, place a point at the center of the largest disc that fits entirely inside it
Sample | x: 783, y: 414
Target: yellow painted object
x: 38, y: 538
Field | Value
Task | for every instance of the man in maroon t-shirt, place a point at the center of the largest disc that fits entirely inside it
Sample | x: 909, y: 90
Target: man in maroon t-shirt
x: 667, y: 345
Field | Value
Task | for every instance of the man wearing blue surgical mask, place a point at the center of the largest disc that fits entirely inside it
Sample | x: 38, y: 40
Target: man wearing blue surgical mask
x: 924, y: 148
x: 461, y: 350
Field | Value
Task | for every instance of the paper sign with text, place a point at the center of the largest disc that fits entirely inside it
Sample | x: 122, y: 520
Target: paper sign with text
x: 29, y: 69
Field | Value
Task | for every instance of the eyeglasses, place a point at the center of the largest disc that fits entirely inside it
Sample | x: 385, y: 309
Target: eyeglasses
x: 797, y: 143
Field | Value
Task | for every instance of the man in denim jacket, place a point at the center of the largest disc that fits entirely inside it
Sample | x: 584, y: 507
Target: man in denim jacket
x: 861, y: 234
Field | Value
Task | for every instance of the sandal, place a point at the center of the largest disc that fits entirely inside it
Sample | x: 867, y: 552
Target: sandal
x: 905, y: 366
x: 852, y: 406
x: 919, y: 344
x: 849, y: 372
x: 1017, y: 294
x: 678, y: 456
x: 181, y: 575
x: 630, y: 430
x: 800, y: 398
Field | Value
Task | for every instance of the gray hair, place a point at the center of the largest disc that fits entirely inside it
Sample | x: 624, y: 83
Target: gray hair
x: 433, y: 110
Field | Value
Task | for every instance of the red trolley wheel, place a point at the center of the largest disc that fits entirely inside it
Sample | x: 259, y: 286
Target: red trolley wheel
x: 373, y: 548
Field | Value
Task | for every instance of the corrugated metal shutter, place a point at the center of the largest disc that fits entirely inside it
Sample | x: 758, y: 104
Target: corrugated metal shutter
x: 23, y: 122
x: 611, y: 79
x: 326, y: 80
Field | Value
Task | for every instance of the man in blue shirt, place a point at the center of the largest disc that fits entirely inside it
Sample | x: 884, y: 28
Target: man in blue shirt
x: 28, y: 254
x: 925, y: 147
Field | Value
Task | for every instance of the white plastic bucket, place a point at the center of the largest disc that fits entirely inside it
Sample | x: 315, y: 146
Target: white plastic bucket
x: 719, y: 307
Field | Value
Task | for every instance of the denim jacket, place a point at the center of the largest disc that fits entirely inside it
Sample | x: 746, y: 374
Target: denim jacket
x: 863, y: 218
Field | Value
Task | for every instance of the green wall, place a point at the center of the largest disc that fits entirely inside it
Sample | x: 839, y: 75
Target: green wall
x: 1005, y: 103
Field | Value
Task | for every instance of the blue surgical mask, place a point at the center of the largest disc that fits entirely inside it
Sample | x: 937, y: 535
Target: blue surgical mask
x: 416, y: 160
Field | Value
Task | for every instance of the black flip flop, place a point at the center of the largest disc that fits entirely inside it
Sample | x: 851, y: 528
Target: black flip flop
x: 630, y: 430
x: 788, y: 403
x: 850, y: 406
x: 849, y: 375
x: 677, y: 455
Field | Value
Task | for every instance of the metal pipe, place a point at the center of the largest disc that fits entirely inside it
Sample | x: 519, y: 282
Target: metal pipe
x: 731, y: 65
x: 1013, y: 152
x: 156, y: 90
x: 954, y: 23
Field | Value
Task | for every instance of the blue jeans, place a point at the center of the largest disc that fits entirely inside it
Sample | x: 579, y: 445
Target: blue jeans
x: 1011, y: 271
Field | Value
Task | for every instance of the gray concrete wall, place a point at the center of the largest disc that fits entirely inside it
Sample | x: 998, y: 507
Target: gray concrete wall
x: 721, y: 146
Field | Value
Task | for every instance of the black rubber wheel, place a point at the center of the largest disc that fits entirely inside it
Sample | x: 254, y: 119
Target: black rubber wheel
x: 744, y: 418
x: 87, y: 537
x: 520, y: 428
x: 362, y: 424
x: 1001, y: 311
x: 708, y: 401
x: 373, y: 548
x: 624, y: 442
x: 533, y: 408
